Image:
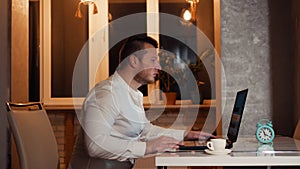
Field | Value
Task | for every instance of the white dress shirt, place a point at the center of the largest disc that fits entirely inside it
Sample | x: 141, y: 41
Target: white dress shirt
x: 114, y: 120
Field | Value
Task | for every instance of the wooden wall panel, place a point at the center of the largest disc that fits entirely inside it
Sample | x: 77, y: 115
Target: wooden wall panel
x: 19, y: 51
x: 19, y: 59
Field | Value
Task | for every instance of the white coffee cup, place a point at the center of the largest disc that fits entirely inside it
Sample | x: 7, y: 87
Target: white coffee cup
x: 217, y: 144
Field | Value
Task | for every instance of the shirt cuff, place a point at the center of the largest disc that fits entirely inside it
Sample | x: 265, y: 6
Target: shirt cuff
x: 138, y: 149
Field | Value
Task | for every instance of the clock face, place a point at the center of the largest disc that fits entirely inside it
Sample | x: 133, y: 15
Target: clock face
x: 265, y: 134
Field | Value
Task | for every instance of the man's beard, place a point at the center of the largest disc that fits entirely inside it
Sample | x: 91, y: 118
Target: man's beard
x: 142, y: 78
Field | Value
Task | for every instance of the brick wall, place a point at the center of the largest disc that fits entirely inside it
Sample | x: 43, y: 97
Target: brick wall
x: 65, y: 133
x: 58, y: 124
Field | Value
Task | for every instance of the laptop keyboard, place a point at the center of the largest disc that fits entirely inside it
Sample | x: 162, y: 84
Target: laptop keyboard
x: 194, y: 145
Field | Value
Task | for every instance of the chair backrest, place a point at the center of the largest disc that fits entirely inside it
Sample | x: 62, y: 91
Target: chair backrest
x: 35, y: 140
x: 297, y: 131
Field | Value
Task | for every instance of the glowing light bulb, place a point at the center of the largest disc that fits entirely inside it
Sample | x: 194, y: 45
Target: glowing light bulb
x: 187, y: 15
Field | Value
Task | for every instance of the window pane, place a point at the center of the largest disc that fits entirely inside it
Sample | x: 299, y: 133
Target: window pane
x: 34, y: 43
x: 117, y: 10
x: 186, y: 53
x: 68, y: 35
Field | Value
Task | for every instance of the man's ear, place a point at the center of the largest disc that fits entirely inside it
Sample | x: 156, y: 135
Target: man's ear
x: 133, y: 61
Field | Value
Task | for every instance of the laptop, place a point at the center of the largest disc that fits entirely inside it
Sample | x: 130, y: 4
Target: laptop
x: 234, y: 124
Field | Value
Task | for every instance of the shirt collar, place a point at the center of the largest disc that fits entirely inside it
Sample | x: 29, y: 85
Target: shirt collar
x: 123, y: 83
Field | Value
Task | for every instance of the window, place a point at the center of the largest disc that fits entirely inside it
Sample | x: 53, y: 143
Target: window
x: 62, y: 39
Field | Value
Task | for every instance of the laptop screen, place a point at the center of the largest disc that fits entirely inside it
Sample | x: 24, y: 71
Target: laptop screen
x: 236, y: 116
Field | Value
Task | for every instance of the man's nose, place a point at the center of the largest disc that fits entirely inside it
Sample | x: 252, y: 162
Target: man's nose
x: 157, y: 66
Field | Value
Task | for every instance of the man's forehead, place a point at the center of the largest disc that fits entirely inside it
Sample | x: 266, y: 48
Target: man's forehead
x: 151, y: 50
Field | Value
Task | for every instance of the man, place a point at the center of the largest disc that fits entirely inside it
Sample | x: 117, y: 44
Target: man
x: 116, y: 130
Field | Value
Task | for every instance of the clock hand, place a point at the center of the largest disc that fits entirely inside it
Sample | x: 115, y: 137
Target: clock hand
x: 264, y: 132
x: 268, y: 133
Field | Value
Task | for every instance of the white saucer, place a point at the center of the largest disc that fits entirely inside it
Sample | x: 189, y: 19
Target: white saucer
x: 226, y: 151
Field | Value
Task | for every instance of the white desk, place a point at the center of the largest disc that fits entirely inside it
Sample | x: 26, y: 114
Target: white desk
x: 286, y: 152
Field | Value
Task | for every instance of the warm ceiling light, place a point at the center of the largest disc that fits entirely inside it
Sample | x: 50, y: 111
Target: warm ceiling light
x: 190, y: 14
x: 85, y: 2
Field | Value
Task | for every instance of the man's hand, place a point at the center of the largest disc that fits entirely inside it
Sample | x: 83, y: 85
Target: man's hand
x: 161, y: 144
x: 199, y: 135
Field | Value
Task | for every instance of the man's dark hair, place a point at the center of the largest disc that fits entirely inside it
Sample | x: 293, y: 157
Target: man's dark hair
x: 134, y: 44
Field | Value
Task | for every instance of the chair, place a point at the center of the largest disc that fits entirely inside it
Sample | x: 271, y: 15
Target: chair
x: 297, y: 131
x: 35, y: 141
